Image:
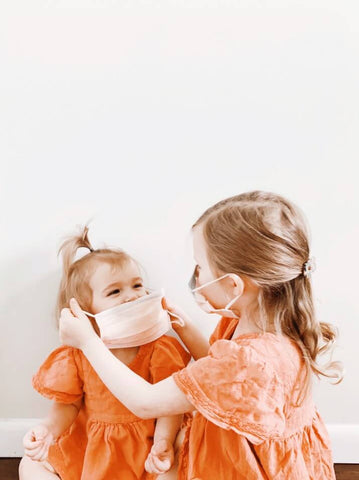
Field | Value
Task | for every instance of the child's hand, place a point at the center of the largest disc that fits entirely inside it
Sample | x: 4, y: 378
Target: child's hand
x: 37, y: 442
x: 178, y: 312
x: 161, y: 457
x: 75, y: 328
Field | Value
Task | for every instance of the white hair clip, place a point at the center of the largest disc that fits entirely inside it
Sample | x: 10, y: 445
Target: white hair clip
x: 309, y: 267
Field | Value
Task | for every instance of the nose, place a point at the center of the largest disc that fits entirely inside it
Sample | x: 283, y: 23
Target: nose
x: 129, y: 297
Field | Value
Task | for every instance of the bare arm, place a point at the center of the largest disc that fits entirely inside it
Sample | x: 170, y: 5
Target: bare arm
x: 141, y: 397
x: 38, y: 439
x: 61, y: 417
x: 194, y: 340
x: 167, y: 428
x: 162, y: 455
x: 191, y: 336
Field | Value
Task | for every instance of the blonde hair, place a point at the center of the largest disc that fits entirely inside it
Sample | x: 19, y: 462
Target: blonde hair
x: 263, y: 236
x: 77, y: 273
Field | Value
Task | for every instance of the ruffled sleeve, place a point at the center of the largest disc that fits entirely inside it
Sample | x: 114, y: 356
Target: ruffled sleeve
x: 59, y: 377
x: 236, y: 387
x: 167, y: 358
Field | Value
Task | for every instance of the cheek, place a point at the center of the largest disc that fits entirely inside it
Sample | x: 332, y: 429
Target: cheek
x: 211, y: 292
x: 101, y: 304
x: 212, y: 297
x: 95, y: 306
x: 95, y: 303
x: 203, y: 277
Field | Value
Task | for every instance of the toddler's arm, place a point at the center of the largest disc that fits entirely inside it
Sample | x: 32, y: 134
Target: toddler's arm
x: 38, y: 439
x: 190, y: 335
x: 161, y: 457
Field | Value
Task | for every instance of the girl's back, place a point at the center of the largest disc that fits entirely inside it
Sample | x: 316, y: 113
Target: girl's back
x: 246, y: 392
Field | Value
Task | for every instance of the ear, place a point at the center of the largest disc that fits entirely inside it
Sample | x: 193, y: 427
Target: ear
x: 238, y: 284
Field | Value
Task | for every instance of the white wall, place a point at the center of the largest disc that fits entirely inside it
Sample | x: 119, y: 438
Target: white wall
x: 142, y: 114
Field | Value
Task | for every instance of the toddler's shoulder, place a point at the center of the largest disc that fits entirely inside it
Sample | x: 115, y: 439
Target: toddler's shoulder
x: 169, y: 346
x: 60, y: 376
x: 62, y: 352
x: 168, y: 356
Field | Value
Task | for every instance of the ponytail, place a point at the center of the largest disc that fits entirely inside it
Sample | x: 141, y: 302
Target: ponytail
x: 76, y: 273
x: 290, y: 307
x: 68, y: 289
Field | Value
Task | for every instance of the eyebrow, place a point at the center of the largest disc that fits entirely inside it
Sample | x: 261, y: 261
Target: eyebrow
x: 115, y: 284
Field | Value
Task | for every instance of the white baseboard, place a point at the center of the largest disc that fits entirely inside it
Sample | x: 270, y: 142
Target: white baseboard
x: 11, y: 432
x: 345, y: 438
x: 345, y: 442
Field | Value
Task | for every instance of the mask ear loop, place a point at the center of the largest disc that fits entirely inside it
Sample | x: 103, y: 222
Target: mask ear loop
x: 179, y: 322
x: 228, y: 306
x: 209, y: 283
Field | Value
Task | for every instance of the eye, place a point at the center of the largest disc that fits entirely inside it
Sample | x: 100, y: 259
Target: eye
x: 114, y: 292
x: 138, y: 285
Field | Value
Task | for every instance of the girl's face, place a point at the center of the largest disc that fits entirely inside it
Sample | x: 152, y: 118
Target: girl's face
x: 113, y: 285
x: 218, y: 293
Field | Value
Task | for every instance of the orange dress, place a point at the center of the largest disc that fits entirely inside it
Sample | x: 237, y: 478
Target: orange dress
x: 247, y: 426
x: 106, y: 441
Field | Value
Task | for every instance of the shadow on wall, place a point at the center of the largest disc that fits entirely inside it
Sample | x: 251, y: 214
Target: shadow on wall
x: 28, y: 332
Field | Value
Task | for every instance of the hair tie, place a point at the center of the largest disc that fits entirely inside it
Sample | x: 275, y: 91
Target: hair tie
x: 309, y: 267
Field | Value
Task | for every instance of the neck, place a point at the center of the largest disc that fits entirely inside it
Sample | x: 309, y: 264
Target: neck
x: 126, y: 355
x: 245, y: 325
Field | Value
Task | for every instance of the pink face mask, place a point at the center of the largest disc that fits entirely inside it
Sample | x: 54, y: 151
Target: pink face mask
x: 204, y: 303
x: 134, y: 323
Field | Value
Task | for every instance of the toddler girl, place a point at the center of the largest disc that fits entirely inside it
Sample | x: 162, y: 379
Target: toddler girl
x: 256, y: 419
x: 89, y: 434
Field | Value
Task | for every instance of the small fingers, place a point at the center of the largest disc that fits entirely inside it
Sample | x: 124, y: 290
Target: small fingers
x: 149, y: 467
x: 156, y: 465
x: 32, y: 453
x: 32, y: 445
x: 31, y: 439
x: 162, y: 449
x: 41, y: 454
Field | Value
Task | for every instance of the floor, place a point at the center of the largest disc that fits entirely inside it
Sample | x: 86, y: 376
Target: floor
x: 9, y: 466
